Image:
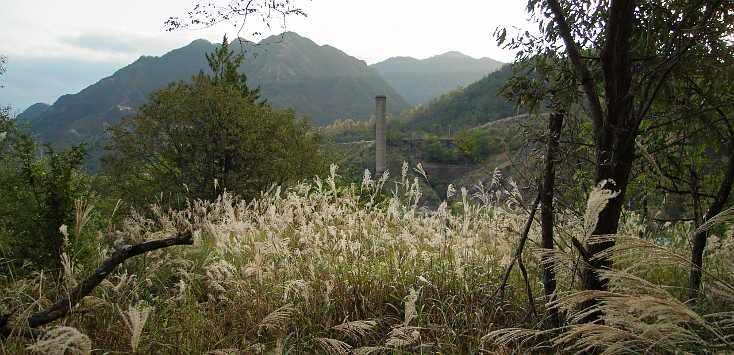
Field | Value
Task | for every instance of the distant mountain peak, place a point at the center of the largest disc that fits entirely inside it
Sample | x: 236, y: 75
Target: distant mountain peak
x: 288, y: 36
x: 419, y: 81
x: 199, y: 42
x: 292, y: 35
x: 454, y: 54
x: 291, y: 71
x: 34, y: 111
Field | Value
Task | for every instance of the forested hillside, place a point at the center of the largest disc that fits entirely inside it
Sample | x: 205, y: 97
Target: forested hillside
x: 420, y: 81
x: 478, y: 103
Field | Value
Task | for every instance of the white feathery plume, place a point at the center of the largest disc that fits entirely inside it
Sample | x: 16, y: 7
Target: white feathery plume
x: 60, y: 340
x: 402, y: 336
x: 598, y: 199
x: 278, y: 319
x: 450, y: 191
x: 357, y: 329
x: 420, y: 170
x: 134, y: 320
x: 332, y: 346
x: 68, y: 265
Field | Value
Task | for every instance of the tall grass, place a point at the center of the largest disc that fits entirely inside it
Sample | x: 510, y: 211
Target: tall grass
x: 645, y: 309
x: 324, y: 267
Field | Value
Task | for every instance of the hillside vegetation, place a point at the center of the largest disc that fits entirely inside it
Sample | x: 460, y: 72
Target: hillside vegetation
x: 324, y: 267
x: 478, y: 103
x: 599, y: 222
x: 419, y: 81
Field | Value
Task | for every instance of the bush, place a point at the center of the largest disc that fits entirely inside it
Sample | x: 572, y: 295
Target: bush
x: 38, y: 190
x: 196, y: 139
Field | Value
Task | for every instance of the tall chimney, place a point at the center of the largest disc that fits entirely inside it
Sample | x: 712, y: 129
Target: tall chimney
x: 380, y: 144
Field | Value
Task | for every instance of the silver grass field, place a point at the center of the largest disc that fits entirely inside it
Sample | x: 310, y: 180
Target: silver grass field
x: 323, y: 267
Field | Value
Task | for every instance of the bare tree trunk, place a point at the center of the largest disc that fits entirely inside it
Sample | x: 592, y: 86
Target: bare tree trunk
x: 555, y: 123
x: 615, y: 146
x: 699, y: 239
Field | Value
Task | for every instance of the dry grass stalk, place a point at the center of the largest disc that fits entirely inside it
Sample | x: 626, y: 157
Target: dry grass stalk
x: 60, y: 340
x: 403, y: 336
x: 367, y: 350
x: 68, y: 266
x: 725, y: 216
x: 277, y: 320
x: 81, y: 216
x: 332, y: 346
x: 317, y: 246
x: 356, y: 330
x: 637, y: 315
x: 228, y: 351
x: 134, y: 320
x: 410, y: 311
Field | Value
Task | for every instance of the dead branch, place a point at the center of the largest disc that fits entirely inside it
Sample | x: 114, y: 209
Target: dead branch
x: 528, y: 289
x: 518, y: 250
x: 63, y: 307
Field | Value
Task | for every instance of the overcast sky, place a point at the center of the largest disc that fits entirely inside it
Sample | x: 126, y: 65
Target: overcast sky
x: 59, y: 47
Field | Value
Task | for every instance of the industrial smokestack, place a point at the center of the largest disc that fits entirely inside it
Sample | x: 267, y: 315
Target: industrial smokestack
x: 381, y: 103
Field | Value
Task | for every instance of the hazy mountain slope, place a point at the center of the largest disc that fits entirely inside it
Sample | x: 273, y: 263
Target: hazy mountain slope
x: 319, y: 81
x: 476, y: 104
x: 419, y: 81
x: 83, y: 116
x: 34, y: 111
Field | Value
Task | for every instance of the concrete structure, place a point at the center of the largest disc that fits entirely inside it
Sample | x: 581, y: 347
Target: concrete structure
x: 380, y: 143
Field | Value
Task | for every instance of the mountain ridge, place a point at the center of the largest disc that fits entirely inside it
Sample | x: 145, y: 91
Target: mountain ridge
x: 472, y: 106
x: 321, y: 82
x: 420, y: 80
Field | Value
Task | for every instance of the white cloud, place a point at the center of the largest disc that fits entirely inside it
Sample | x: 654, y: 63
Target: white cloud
x: 370, y: 30
x: 118, y: 32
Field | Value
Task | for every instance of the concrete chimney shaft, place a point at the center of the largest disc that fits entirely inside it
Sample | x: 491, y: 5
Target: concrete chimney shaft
x: 380, y: 143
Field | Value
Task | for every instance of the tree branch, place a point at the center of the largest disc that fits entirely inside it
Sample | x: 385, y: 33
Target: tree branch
x: 581, y: 70
x: 518, y: 251
x: 61, y: 308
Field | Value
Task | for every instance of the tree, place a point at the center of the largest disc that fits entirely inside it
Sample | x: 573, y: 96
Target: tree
x: 621, y: 54
x: 196, y: 139
x: 3, y: 61
x: 224, y: 63
x: 38, y: 190
x: 209, y: 13
x: 692, y: 151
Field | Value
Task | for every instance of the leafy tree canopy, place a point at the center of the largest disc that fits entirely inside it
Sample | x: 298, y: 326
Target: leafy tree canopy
x: 199, y: 138
x: 224, y: 63
x: 38, y: 190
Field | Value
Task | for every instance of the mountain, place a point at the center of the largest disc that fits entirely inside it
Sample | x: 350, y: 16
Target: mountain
x: 34, y: 111
x: 292, y: 71
x: 321, y: 81
x: 419, y: 81
x: 477, y: 104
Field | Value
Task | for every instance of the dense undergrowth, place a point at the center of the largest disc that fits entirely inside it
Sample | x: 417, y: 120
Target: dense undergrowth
x: 325, y: 267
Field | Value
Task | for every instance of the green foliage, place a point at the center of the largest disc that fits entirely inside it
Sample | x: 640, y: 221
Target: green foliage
x: 477, y: 104
x: 38, y: 190
x: 477, y: 145
x: 197, y: 139
x: 223, y: 64
x: 438, y: 151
